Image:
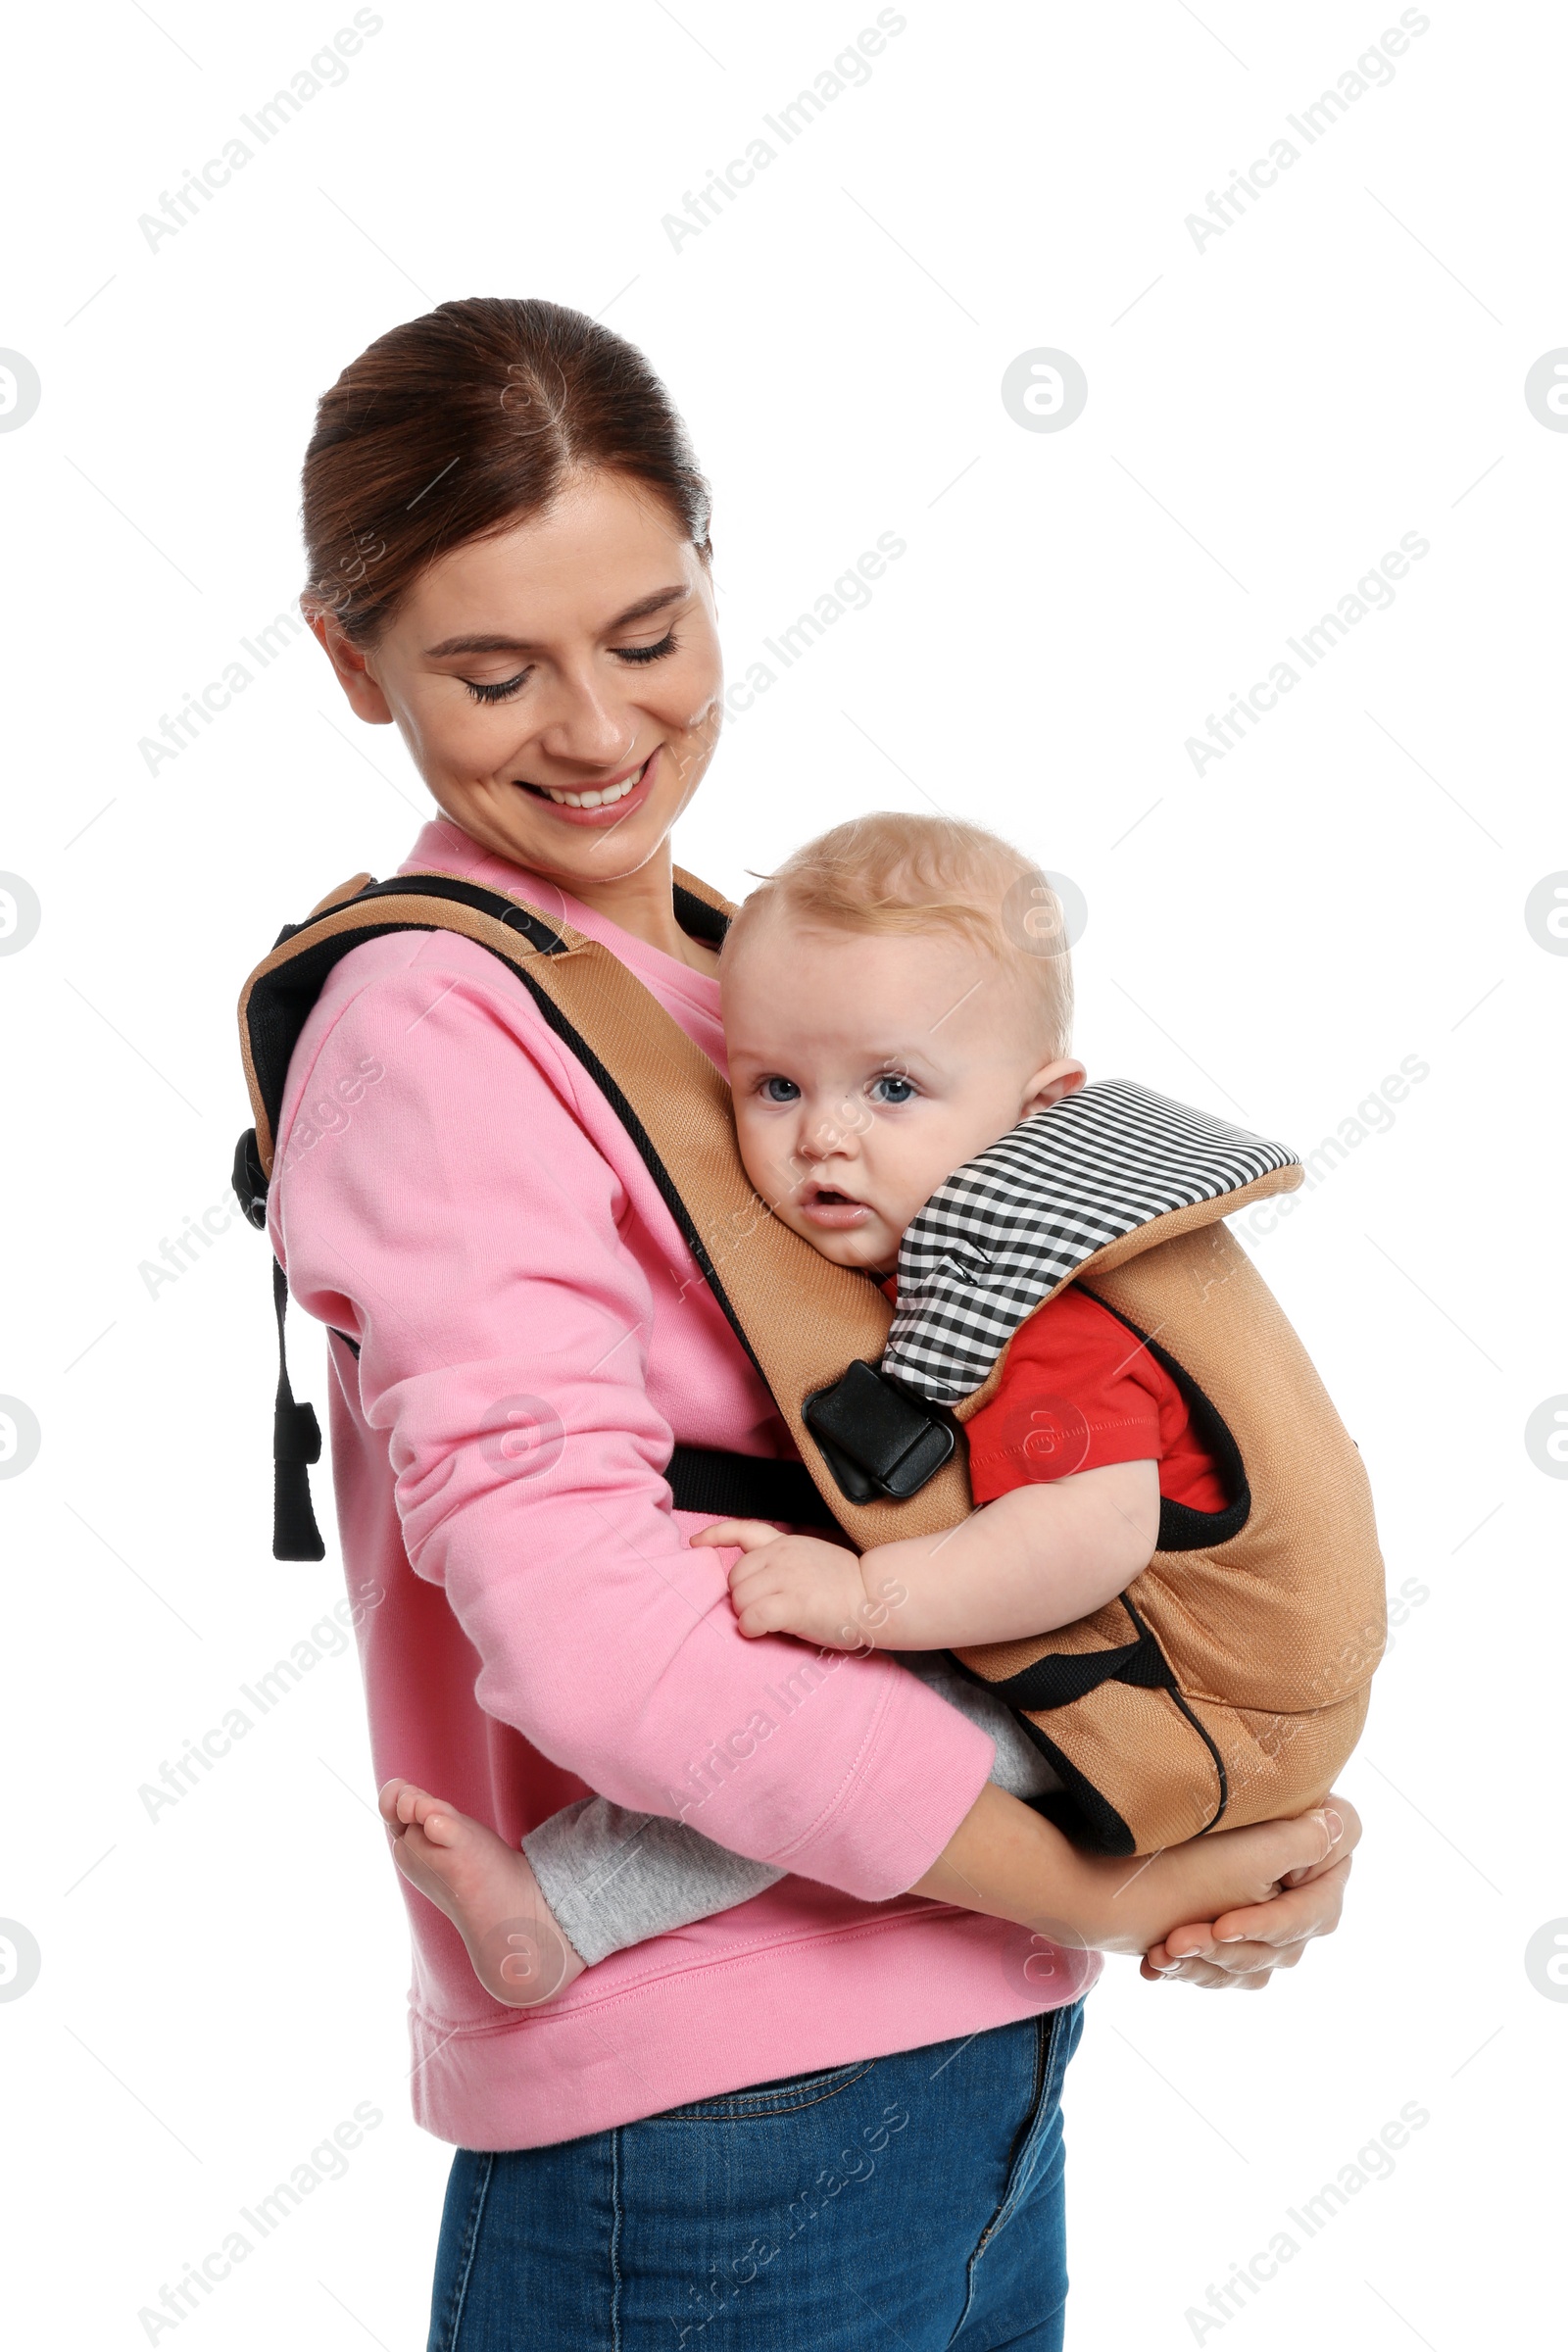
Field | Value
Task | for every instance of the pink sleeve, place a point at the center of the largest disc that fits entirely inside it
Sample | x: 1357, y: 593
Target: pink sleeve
x: 460, y: 1222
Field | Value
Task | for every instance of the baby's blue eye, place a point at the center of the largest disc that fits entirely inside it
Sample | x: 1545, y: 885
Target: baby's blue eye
x: 780, y: 1090
x: 894, y: 1090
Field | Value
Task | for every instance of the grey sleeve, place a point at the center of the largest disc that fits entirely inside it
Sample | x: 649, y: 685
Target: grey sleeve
x: 614, y: 1879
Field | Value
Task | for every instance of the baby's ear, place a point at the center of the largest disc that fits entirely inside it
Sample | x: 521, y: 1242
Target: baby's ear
x: 1050, y: 1083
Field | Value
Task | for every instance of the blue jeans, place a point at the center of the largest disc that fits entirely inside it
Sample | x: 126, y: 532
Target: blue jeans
x: 914, y: 2201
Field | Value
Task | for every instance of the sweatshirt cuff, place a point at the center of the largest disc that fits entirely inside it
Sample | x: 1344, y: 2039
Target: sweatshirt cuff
x: 921, y: 1769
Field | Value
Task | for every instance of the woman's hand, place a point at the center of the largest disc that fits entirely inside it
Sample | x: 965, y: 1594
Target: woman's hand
x: 1240, y: 1950
x: 1261, y: 1893
x: 1271, y: 1891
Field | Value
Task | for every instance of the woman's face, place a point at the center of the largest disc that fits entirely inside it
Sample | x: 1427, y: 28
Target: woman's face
x: 558, y: 686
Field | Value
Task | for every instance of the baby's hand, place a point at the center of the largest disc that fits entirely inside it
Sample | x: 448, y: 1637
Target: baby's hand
x: 793, y: 1585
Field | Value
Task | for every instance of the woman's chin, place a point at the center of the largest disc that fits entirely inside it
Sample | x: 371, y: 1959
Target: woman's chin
x: 519, y: 826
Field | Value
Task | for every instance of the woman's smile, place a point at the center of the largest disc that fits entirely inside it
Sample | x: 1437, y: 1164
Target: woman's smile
x: 602, y: 804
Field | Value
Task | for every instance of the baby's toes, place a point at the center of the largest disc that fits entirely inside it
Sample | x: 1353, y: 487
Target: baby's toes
x: 410, y: 1804
x: 388, y: 1799
x: 434, y: 1815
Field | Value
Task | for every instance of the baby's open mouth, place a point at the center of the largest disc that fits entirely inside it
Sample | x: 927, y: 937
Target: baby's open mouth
x: 823, y: 1205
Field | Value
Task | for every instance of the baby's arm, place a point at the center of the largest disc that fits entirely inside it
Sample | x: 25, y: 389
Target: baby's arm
x: 1036, y: 1559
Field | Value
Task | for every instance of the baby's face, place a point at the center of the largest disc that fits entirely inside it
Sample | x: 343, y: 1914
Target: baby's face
x: 867, y: 1067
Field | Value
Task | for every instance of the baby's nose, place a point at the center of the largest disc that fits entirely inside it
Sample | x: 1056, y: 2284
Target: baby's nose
x: 832, y: 1138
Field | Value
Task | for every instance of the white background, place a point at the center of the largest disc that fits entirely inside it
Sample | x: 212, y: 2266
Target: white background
x: 1267, y: 415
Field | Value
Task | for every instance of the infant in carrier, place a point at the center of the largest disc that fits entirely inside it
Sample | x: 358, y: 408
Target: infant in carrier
x: 896, y: 1002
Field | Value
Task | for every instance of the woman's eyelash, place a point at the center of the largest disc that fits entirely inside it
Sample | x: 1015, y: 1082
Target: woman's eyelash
x: 646, y: 653
x: 623, y: 652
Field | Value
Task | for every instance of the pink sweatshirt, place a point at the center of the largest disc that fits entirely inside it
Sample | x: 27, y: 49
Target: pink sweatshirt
x: 452, y: 1191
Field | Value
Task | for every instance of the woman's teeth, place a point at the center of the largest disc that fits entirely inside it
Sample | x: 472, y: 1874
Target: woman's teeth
x: 594, y: 799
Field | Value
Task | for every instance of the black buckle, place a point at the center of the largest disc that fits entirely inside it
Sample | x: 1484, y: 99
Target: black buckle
x: 250, y: 1184
x: 877, y: 1438
x: 296, y: 1434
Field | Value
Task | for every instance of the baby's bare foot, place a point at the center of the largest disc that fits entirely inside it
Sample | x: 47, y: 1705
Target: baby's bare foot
x: 488, y: 1891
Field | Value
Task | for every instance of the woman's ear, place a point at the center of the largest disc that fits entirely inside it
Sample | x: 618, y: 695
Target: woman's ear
x: 1050, y: 1083
x: 352, y: 665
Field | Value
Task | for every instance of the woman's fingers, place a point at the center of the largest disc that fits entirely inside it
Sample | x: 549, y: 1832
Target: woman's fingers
x: 1296, y: 1916
x: 1212, y: 1978
x: 1350, y: 1837
x: 1248, y: 1965
x: 1308, y: 1841
x: 1260, y: 1935
x: 1258, y: 1859
x: 1241, y: 1948
x: 1308, y: 1904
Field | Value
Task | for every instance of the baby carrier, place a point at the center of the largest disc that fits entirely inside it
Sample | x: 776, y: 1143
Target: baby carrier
x: 1229, y: 1682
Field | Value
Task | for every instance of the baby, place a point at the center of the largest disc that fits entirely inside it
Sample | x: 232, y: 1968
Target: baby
x: 896, y: 998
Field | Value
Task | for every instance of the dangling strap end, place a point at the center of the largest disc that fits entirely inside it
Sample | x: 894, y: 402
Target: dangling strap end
x: 296, y: 1443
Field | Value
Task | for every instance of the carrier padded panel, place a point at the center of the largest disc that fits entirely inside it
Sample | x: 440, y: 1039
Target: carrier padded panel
x: 1273, y: 1633
x: 1020, y: 1220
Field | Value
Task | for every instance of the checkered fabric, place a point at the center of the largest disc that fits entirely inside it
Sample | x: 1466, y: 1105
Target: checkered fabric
x: 1011, y: 1226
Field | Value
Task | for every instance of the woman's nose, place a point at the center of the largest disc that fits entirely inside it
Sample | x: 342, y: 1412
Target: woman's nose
x: 585, y: 725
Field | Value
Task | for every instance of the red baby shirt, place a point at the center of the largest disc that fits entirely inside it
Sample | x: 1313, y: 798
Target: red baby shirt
x: 1080, y: 1390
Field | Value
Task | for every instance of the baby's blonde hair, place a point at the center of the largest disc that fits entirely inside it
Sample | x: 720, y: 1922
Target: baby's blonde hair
x: 899, y: 873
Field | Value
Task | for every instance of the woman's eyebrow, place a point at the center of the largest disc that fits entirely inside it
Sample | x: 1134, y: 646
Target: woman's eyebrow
x: 640, y: 610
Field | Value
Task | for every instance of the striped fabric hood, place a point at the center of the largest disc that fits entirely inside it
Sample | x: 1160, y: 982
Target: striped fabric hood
x: 1015, y: 1223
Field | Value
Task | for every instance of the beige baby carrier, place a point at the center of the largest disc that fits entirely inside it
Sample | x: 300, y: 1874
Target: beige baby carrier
x: 1229, y: 1682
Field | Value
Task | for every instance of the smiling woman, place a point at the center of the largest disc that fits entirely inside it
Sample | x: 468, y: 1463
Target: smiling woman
x: 557, y: 678
x: 509, y: 561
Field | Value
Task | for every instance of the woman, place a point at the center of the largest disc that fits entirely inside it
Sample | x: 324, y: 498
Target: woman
x: 834, y: 2109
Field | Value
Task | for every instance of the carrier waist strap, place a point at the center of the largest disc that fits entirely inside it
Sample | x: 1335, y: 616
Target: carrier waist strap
x: 726, y: 1485
x: 744, y: 1486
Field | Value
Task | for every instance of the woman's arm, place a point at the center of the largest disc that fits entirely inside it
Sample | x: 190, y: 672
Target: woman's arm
x: 481, y: 1225
x: 1262, y: 1893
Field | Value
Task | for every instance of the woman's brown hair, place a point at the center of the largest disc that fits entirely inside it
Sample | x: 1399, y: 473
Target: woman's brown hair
x: 461, y: 423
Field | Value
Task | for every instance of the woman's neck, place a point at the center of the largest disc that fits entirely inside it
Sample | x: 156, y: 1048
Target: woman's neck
x: 644, y: 904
